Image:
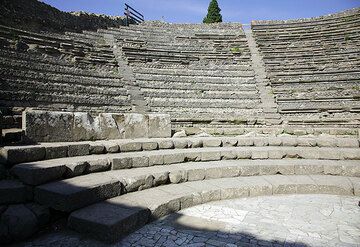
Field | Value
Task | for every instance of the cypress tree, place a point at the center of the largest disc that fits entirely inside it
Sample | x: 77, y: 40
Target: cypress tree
x: 213, y: 14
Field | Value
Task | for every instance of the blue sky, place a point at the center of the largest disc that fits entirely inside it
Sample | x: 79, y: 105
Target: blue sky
x: 193, y: 11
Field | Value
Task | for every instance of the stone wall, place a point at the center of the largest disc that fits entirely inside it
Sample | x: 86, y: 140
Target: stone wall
x: 33, y: 15
x: 45, y: 126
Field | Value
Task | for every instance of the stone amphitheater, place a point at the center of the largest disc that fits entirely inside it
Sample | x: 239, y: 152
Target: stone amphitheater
x: 109, y: 130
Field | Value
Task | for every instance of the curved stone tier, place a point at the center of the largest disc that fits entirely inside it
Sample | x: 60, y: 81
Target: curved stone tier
x: 313, y: 65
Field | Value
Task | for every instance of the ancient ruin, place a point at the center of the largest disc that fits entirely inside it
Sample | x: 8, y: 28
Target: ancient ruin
x: 118, y: 126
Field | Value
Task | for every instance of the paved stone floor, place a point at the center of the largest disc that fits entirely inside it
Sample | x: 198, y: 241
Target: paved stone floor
x: 288, y: 220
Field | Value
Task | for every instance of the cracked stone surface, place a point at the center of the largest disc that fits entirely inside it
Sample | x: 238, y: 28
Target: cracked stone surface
x: 286, y: 220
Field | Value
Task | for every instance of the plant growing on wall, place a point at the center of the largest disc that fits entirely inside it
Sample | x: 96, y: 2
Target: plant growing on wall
x: 213, y: 14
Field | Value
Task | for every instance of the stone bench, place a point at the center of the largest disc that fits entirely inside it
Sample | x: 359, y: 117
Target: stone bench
x: 46, y: 151
x: 74, y: 193
x: 39, y: 172
x: 115, y: 218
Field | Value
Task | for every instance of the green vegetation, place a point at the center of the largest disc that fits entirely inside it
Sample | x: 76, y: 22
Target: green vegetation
x: 347, y: 37
x: 213, y: 15
x: 236, y: 50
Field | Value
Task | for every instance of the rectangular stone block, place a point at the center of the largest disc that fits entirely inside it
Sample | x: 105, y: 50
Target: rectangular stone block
x: 136, y: 126
x: 147, y: 146
x: 121, y: 163
x: 141, y: 161
x: 159, y: 126
x: 257, y: 154
x: 42, y: 126
x: 210, y: 142
x: 16, y: 155
x: 78, y: 149
x: 108, y: 221
x: 245, y: 142
x: 174, y: 158
x: 56, y: 151
x: 156, y: 159
x: 130, y: 146
x: 209, y: 156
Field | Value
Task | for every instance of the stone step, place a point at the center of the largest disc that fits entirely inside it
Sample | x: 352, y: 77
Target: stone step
x: 12, y: 155
x: 115, y: 218
x: 35, y: 173
x: 71, y: 194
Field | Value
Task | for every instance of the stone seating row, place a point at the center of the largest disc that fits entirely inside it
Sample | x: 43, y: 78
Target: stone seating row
x: 206, y: 85
x: 204, y: 94
x: 311, y: 30
x: 45, y: 151
x: 326, y: 19
x: 115, y: 218
x: 46, y: 66
x: 57, y: 41
x: 74, y: 193
x: 35, y: 173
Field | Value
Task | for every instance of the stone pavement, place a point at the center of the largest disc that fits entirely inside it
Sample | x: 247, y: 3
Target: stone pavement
x: 284, y: 220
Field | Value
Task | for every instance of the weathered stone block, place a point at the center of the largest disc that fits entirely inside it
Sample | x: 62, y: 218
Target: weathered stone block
x: 56, y: 151
x: 209, y: 142
x: 149, y: 146
x: 96, y: 148
x: 110, y: 126
x: 196, y: 175
x: 136, y: 126
x: 78, y: 149
x: 157, y: 159
x: 141, y: 161
x: 243, y: 154
x: 121, y: 163
x: 347, y: 142
x: 257, y: 154
x: 111, y: 147
x: 326, y: 142
x: 193, y: 156
x: 289, y: 141
x: 228, y: 155
x: 16, y: 155
x: 85, y: 127
x: 306, y: 142
x: 173, y: 158
x: 195, y: 143
x: 76, y: 168
x: 209, y: 156
x: 98, y: 165
x: 166, y: 144
x: 230, y: 142
x: 260, y: 142
x: 130, y: 146
x: 159, y: 126
x: 245, y: 142
x: 42, y: 126
x: 178, y: 176
x: 180, y: 143
x: 274, y: 141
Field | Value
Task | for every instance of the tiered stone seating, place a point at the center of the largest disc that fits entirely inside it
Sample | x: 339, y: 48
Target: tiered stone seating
x: 197, y: 73
x: 59, y: 72
x: 313, y: 67
x: 117, y: 186
x: 113, y: 172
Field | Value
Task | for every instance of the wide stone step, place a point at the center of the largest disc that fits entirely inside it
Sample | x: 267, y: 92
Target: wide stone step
x: 71, y: 194
x: 40, y: 172
x: 114, y: 218
x: 45, y: 151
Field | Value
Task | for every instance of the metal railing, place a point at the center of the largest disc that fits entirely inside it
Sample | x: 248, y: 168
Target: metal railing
x: 132, y: 16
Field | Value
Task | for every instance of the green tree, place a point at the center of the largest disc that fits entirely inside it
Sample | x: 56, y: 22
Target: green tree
x: 213, y: 14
